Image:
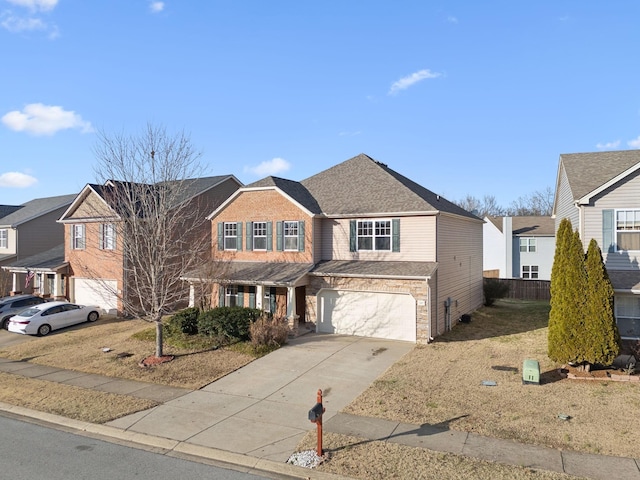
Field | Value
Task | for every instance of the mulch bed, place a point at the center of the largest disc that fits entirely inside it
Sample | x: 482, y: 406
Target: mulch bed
x: 153, y: 360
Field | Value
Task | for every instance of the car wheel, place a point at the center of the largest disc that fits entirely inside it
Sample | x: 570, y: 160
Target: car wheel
x: 5, y: 323
x: 44, y: 330
x: 92, y: 317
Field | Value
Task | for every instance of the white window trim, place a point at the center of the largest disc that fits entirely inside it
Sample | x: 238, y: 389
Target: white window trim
x: 108, y: 240
x: 4, y: 238
x: 529, y: 272
x: 79, y: 239
x: 530, y: 245
x: 234, y: 226
x: 290, y: 236
x: 373, y: 236
x: 254, y: 236
x: 617, y: 231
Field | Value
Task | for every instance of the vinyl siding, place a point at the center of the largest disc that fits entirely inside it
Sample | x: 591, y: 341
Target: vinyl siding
x: 11, y: 242
x: 459, y: 267
x: 542, y: 257
x: 40, y: 234
x: 417, y: 240
x: 494, y: 251
x: 317, y: 239
x: 624, y: 195
x: 565, y: 205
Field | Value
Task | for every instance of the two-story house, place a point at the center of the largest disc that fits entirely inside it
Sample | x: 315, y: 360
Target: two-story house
x: 518, y: 247
x: 356, y: 249
x: 600, y: 194
x: 98, y: 270
x: 30, y: 246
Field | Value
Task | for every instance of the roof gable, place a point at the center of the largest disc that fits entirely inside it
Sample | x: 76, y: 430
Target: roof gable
x: 590, y: 173
x: 36, y: 208
x: 362, y: 185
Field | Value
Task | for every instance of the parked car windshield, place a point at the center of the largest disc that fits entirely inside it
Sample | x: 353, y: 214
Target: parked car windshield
x: 29, y: 312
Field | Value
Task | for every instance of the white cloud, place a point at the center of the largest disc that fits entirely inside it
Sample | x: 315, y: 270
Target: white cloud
x: 452, y: 19
x: 635, y: 143
x: 16, y: 180
x: 608, y: 145
x: 39, y: 119
x: 21, y: 24
x: 36, y: 5
x: 409, y: 80
x: 270, y: 167
x: 156, y: 7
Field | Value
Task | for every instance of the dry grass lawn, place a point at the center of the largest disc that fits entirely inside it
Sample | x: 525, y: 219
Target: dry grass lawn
x: 442, y: 384
x: 80, y: 349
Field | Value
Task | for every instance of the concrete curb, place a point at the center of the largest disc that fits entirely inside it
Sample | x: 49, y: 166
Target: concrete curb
x: 166, y: 446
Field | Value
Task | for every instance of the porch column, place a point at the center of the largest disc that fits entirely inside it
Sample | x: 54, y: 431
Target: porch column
x: 291, y: 309
x: 259, y: 296
x: 14, y: 286
x: 57, y: 280
x: 192, y: 295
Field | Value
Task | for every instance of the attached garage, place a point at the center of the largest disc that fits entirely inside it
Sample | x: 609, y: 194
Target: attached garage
x: 367, y: 314
x: 97, y: 292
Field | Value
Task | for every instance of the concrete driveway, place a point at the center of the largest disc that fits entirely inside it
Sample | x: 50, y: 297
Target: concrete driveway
x: 262, y: 409
x: 9, y: 338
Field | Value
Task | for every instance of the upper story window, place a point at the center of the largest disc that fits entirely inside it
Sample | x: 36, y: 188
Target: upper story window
x: 107, y: 236
x: 291, y: 236
x: 4, y: 238
x: 259, y: 235
x: 374, y: 235
x: 230, y: 236
x: 530, y: 271
x: 77, y: 237
x: 527, y: 244
x: 628, y: 229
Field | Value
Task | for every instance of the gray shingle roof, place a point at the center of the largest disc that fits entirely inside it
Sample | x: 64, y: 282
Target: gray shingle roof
x: 375, y: 269
x: 294, y: 189
x: 588, y: 171
x: 8, y: 209
x: 50, y: 260
x: 36, y: 208
x: 625, y: 280
x: 361, y: 186
x: 261, y: 273
x: 528, y: 225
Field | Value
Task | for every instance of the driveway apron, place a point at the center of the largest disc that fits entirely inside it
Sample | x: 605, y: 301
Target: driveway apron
x: 262, y: 409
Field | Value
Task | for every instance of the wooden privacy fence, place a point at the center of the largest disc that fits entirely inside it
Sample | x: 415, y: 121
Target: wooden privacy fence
x: 521, y: 289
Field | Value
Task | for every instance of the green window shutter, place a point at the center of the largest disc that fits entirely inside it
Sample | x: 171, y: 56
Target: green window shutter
x: 84, y: 238
x: 101, y: 236
x: 71, y: 239
x: 220, y: 236
x: 279, y: 235
x: 395, y: 235
x: 240, y: 295
x: 301, y: 236
x: 239, y: 237
x: 608, y: 241
x: 352, y: 236
x: 252, y: 297
x: 220, y: 295
x: 249, y: 236
x: 269, y: 236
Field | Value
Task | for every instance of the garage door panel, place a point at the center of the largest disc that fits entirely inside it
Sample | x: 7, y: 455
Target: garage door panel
x: 370, y: 314
x: 97, y: 292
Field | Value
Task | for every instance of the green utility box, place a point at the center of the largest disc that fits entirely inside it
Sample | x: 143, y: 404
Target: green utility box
x: 531, y: 372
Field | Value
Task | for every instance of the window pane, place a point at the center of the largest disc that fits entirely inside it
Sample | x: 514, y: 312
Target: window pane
x: 383, y: 243
x: 628, y: 241
x: 291, y: 236
x: 259, y: 235
x: 365, y: 243
x: 230, y: 236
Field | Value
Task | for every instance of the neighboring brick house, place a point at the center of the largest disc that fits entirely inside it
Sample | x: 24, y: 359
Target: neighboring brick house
x: 356, y: 249
x: 519, y: 247
x: 600, y: 194
x: 94, y: 252
x: 30, y: 244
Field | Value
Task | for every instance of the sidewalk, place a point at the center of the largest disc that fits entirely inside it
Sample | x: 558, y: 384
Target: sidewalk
x: 218, y: 437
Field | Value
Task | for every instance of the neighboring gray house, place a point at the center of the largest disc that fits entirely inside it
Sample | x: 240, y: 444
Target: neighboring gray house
x: 355, y: 249
x: 600, y: 194
x: 25, y: 231
x: 518, y: 247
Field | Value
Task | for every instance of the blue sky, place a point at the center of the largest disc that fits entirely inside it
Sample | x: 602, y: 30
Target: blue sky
x: 463, y: 97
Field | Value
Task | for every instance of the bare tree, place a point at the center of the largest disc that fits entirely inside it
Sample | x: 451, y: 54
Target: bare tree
x: 162, y: 232
x: 539, y: 202
x: 488, y: 205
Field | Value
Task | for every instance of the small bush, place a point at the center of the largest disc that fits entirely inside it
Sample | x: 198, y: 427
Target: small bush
x: 493, y: 290
x: 269, y: 332
x: 228, y: 323
x: 185, y: 321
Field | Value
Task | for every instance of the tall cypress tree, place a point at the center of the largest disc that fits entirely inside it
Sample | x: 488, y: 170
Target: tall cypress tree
x: 568, y: 283
x: 601, y: 338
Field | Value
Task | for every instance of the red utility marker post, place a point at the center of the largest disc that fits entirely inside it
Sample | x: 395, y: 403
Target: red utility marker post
x: 315, y: 415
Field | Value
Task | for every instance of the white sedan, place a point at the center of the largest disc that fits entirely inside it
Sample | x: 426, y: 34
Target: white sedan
x: 41, y: 319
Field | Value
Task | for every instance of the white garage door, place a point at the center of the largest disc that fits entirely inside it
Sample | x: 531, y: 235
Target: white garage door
x: 97, y: 292
x: 368, y: 314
